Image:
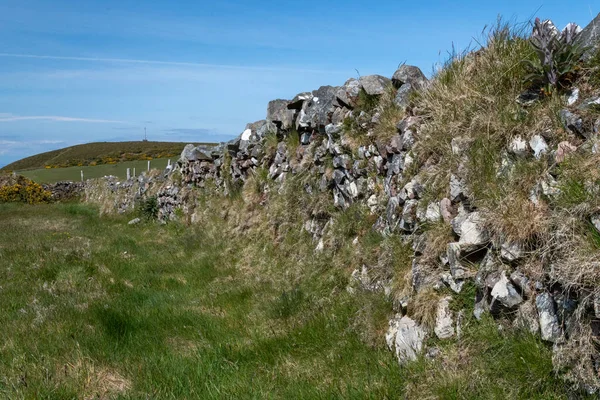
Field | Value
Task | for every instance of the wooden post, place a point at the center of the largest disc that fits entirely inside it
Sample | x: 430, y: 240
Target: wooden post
x: 169, y: 163
x: 128, y: 173
x: 134, y: 172
x: 81, y: 175
x: 148, y: 165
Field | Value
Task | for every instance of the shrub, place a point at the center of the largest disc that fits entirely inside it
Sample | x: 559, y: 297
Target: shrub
x: 23, y: 190
x: 148, y: 208
x: 557, y: 59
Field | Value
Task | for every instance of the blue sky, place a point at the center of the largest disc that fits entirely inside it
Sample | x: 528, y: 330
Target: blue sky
x: 79, y: 71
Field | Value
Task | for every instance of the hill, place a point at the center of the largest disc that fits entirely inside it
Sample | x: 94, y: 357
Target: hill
x: 98, y: 153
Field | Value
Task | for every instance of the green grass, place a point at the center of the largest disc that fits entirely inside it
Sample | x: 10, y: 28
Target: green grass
x: 94, y: 307
x: 74, y: 173
x: 99, y: 153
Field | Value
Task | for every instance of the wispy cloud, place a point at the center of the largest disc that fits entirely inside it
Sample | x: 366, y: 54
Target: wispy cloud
x: 4, y: 117
x: 16, y: 146
x: 171, y: 63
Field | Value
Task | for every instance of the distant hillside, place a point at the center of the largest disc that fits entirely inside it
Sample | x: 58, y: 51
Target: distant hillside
x: 97, y: 154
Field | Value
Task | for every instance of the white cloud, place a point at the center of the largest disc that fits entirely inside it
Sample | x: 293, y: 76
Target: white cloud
x: 171, y: 63
x: 4, y: 117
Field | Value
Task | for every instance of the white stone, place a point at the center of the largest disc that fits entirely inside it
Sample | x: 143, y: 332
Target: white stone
x: 548, y: 319
x: 473, y: 233
x: 539, y: 146
x: 405, y: 337
x: 246, y: 135
x: 444, y: 324
x: 573, y: 97
x: 518, y: 146
x: 433, y: 214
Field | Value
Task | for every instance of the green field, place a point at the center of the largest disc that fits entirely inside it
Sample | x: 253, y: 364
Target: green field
x: 99, y: 153
x: 53, y: 175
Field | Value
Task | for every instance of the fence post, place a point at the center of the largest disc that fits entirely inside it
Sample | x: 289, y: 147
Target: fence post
x: 81, y: 175
x: 148, y: 165
x: 128, y: 173
x: 134, y: 172
x: 169, y: 163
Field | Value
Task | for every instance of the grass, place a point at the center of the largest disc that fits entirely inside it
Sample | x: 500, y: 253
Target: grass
x: 98, y: 153
x: 89, y: 172
x: 168, y: 312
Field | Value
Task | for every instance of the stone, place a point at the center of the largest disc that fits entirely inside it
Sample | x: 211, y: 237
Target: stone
x: 589, y: 38
x: 460, y: 145
x: 433, y: 214
x: 511, y: 251
x: 403, y: 95
x: 134, y: 221
x: 192, y: 153
x: 405, y: 337
x: 473, y: 234
x: 527, y: 318
x: 444, y: 324
x: 488, y: 266
x: 457, y: 189
x: 298, y: 101
x: 548, y: 319
x: 279, y: 113
x: 595, y: 220
x: 316, y: 112
x: 455, y: 285
x: 518, y: 147
x: 481, y: 306
x: 573, y: 96
x: 573, y: 123
x: 522, y: 282
x: 348, y: 93
x: 564, y: 148
x: 446, y: 210
x: 456, y: 268
x: 374, y: 84
x: 506, y: 293
x: 409, y: 215
x: 409, y: 74
x: 538, y: 145
x: 589, y: 103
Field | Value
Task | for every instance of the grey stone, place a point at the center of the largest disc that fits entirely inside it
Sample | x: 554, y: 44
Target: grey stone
x: 527, y: 317
x: 590, y: 37
x: 298, y: 101
x: 134, y: 221
x: 409, y: 215
x: 374, y: 84
x: 506, y: 293
x: 573, y: 122
x: 511, y: 251
x: 460, y: 145
x: 481, y: 306
x: 405, y: 337
x: 279, y: 113
x: 455, y: 285
x: 348, y: 93
x: 444, y: 324
x: 522, y: 282
x: 548, y: 318
x: 433, y: 214
x: 192, y: 153
x: 457, y: 189
x: 456, y: 268
x: 488, y: 265
x: 403, y: 95
x: 409, y: 74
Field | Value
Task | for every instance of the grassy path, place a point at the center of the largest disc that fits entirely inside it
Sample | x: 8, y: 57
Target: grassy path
x: 94, y: 308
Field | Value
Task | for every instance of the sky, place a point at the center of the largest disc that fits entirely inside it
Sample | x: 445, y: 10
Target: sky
x: 194, y: 70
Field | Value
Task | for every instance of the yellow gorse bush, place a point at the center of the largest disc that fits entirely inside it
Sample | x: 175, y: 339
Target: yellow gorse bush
x: 24, y: 191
